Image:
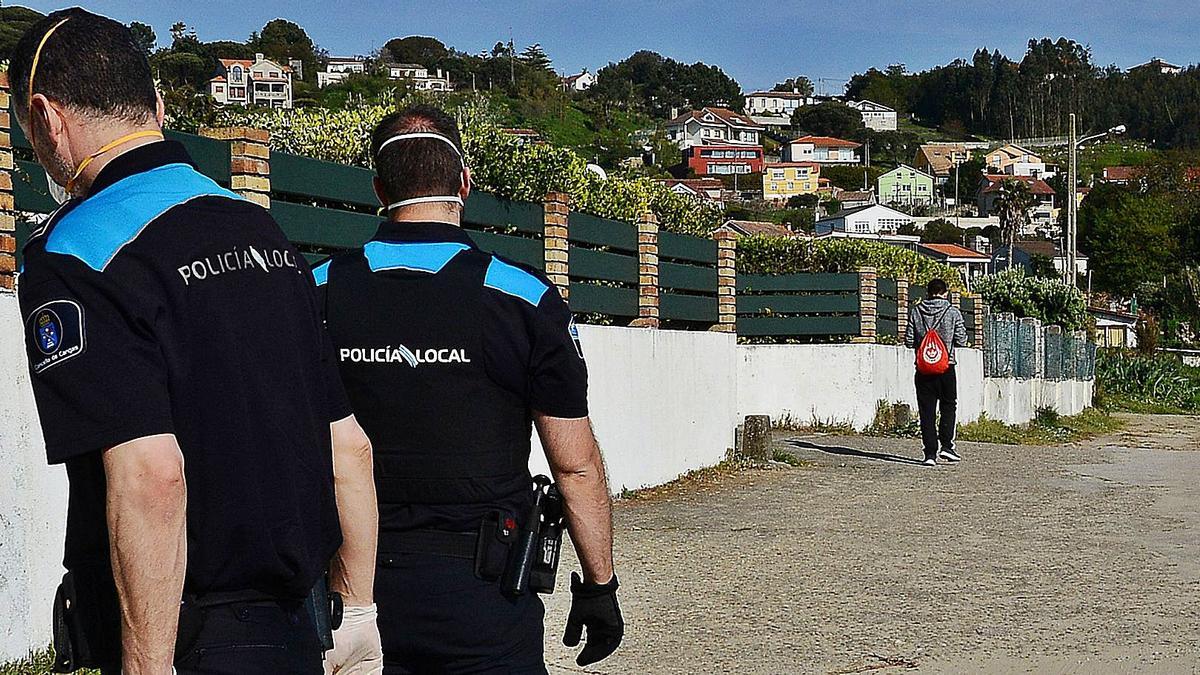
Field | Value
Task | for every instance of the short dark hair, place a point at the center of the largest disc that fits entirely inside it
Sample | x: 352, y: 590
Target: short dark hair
x: 91, y: 63
x: 417, y: 167
x: 936, y: 287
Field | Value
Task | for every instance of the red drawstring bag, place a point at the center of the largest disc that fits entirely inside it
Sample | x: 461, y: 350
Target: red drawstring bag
x: 933, y: 358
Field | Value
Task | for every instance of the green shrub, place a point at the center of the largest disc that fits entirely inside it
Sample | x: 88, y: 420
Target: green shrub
x: 1049, y: 300
x: 762, y: 254
x: 1156, y: 383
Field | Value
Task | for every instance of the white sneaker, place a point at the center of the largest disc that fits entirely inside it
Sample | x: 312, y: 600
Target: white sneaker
x: 949, y: 456
x: 930, y: 462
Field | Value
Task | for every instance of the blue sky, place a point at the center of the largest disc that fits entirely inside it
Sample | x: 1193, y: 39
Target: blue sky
x: 758, y: 43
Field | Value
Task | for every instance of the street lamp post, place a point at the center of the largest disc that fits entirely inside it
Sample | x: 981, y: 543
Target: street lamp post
x: 1070, y: 274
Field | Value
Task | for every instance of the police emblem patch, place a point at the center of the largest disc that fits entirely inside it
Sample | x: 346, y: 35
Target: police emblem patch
x: 573, y: 331
x: 56, y: 331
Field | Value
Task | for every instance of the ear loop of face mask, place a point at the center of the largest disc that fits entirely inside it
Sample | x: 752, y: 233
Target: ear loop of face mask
x: 62, y: 194
x: 449, y: 199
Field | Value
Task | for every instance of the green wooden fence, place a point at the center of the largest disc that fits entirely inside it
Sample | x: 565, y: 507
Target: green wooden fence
x: 799, y: 305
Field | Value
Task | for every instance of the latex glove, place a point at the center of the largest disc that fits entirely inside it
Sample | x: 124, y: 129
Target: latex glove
x: 594, y: 606
x: 357, y: 649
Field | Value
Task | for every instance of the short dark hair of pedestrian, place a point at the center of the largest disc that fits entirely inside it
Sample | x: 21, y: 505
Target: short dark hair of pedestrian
x: 418, y: 167
x: 936, y: 287
x: 87, y: 63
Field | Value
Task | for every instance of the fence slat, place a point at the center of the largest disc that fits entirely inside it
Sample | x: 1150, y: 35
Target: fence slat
x: 29, y: 189
x: 325, y: 228
x: 688, y: 307
x: 591, y: 298
x: 521, y: 249
x: 589, y: 264
x: 753, y: 283
x: 764, y: 326
x: 687, y: 277
x: 797, y: 304
x: 316, y: 179
x: 588, y: 229
x: 485, y: 210
x: 684, y: 247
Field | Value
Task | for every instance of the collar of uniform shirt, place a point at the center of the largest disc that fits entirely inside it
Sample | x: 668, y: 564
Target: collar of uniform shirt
x: 422, y: 231
x: 137, y: 160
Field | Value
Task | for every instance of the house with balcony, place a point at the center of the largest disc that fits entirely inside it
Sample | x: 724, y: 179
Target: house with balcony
x: 776, y: 103
x: 823, y: 150
x: 261, y: 83
x: 781, y: 180
x: 723, y: 159
x: 1014, y: 160
x: 418, y: 76
x: 1042, y: 215
x: 875, y: 115
x: 970, y: 264
x: 869, y: 222
x: 339, y: 69
x: 905, y: 185
x: 713, y: 125
x: 940, y: 159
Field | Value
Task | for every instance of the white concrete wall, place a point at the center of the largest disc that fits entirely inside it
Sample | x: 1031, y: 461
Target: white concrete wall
x: 1016, y: 401
x: 662, y: 402
x: 33, y: 503
x: 841, y: 383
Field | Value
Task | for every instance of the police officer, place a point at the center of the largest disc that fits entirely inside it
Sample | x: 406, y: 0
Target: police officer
x: 182, y: 376
x: 449, y: 354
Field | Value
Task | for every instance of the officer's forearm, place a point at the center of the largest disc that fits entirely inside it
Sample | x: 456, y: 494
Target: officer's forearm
x: 578, y: 468
x: 352, y: 570
x: 146, y: 507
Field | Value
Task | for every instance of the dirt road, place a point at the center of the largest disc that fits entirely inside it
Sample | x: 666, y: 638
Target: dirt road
x: 1076, y: 559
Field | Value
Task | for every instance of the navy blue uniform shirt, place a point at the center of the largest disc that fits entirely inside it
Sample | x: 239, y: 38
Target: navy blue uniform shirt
x: 162, y: 303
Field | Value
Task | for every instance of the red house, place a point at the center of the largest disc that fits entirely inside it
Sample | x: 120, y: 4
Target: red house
x: 723, y: 160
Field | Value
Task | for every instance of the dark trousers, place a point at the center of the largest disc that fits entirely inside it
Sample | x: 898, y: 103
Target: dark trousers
x: 436, y: 616
x: 248, y: 639
x: 934, y: 392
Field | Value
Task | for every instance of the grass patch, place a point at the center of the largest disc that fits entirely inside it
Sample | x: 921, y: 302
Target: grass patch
x: 38, y: 663
x: 1048, y: 428
x: 816, y: 425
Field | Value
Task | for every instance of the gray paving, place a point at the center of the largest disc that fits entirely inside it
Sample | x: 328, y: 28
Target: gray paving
x: 1074, y: 559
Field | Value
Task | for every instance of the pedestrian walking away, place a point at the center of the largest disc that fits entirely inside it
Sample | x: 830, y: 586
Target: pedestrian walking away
x: 182, y: 375
x: 935, y: 329
x: 450, y: 355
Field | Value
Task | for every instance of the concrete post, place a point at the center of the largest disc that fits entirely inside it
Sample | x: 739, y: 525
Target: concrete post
x: 249, y: 161
x: 868, y: 304
x: 648, y: 316
x: 726, y: 281
x: 8, y: 222
x: 901, y: 310
x: 557, y: 210
x: 756, y: 437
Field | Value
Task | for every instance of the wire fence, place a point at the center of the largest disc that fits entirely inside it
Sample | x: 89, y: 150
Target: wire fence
x: 1025, y: 349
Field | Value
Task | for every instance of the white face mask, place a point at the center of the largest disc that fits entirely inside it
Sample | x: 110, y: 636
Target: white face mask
x: 57, y: 192
x: 450, y: 199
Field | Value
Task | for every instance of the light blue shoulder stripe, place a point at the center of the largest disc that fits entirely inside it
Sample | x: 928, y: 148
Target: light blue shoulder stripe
x: 416, y: 256
x: 96, y: 230
x: 321, y: 273
x: 514, y: 281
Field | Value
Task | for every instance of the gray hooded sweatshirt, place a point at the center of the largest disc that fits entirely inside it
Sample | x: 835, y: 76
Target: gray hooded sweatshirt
x: 951, y: 327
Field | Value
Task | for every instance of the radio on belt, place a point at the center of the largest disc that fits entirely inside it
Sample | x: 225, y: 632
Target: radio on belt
x: 533, y: 560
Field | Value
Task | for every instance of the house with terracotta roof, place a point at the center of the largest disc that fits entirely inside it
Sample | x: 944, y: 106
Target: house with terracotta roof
x: 713, y: 159
x: 1041, y: 215
x: 940, y: 159
x: 781, y: 180
x: 261, y: 82
x: 1015, y: 160
x: 969, y: 263
x: 581, y: 81
x: 713, y: 125
x: 823, y: 150
x: 1118, y: 175
x: 852, y: 199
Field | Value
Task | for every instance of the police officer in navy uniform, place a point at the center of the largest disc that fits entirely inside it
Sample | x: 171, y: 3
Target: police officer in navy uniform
x: 183, y: 377
x: 449, y: 354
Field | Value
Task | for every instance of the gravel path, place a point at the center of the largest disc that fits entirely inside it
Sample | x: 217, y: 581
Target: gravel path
x: 1074, y: 559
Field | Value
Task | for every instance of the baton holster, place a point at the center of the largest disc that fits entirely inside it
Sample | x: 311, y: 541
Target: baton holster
x: 87, y: 620
x: 324, y: 607
x: 533, y: 561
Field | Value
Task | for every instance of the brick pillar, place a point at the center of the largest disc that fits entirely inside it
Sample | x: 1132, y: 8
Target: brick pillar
x: 249, y: 161
x: 8, y: 223
x: 901, y: 310
x: 726, y: 281
x: 868, y: 304
x: 647, y: 271
x: 981, y: 312
x: 557, y: 209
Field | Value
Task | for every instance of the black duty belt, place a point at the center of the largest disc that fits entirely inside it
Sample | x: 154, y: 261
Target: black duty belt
x: 433, y: 542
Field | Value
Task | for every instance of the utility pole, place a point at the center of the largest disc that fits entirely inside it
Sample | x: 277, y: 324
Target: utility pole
x: 512, y: 59
x: 1072, y: 202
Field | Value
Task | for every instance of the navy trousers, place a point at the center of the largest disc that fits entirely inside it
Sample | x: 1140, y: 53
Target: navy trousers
x: 436, y: 616
x: 248, y: 639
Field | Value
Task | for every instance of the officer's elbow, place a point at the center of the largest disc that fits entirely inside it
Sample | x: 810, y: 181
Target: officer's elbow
x: 351, y: 446
x: 146, y: 472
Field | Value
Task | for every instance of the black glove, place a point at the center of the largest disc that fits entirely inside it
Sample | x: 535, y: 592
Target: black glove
x: 594, y: 606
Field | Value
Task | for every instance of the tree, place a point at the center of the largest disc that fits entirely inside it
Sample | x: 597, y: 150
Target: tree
x: 1012, y: 206
x: 799, y: 84
x: 651, y: 82
x: 535, y: 57
x: 144, y: 36
x: 1132, y: 244
x: 941, y: 231
x: 14, y: 21
x: 828, y: 119
x: 281, y: 40
x: 425, y: 51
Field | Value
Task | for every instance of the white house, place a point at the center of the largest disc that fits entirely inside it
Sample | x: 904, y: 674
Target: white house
x: 1160, y: 66
x: 713, y: 125
x: 875, y: 115
x: 823, y: 150
x: 418, y: 76
x: 776, y: 103
x: 260, y: 82
x: 579, y: 81
x: 873, y: 222
x: 339, y: 68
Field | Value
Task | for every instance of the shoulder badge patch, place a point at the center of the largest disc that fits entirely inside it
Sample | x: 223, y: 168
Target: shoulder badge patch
x: 573, y: 331
x: 55, y: 332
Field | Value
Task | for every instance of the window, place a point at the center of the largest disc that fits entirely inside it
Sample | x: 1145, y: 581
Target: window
x: 274, y: 73
x: 791, y: 186
x: 777, y: 174
x: 235, y: 74
x: 219, y: 89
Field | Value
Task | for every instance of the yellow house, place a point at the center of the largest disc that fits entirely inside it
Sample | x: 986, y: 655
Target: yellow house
x: 788, y: 179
